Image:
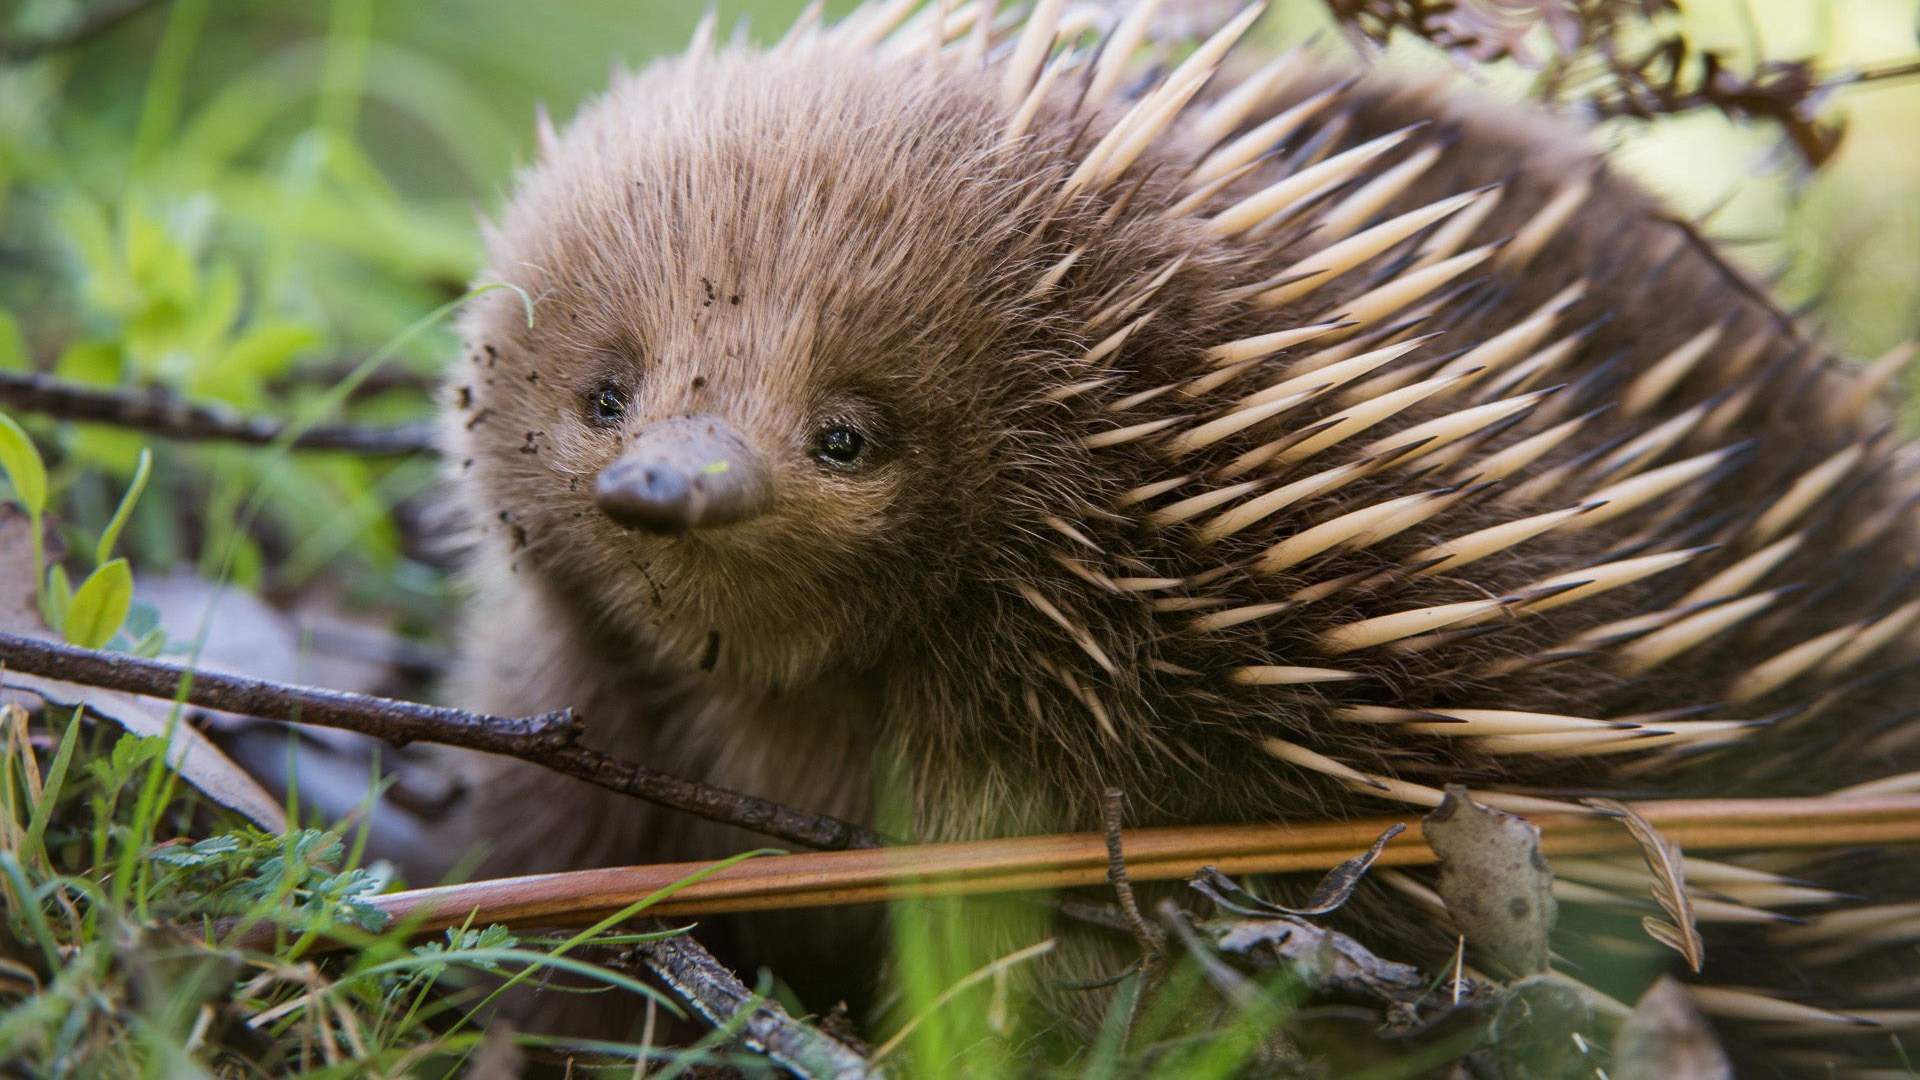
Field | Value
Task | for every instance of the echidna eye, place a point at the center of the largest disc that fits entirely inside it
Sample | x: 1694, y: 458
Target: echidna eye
x: 839, y: 445
x: 606, y: 405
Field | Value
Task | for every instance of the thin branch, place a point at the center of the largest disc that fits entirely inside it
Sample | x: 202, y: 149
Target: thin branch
x: 691, y: 972
x: 1151, y: 938
x: 1905, y: 69
x: 160, y: 413
x: 1041, y: 863
x: 550, y: 740
x: 89, y: 24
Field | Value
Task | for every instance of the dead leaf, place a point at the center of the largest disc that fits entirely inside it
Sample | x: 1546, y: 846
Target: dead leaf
x: 314, y: 641
x: 247, y: 636
x: 1323, y: 959
x: 1328, y: 896
x: 1682, y: 935
x: 197, y: 759
x: 1497, y: 885
x: 1666, y: 1038
x: 19, y: 613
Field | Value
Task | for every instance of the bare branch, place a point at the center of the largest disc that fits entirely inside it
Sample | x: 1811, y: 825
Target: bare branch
x: 1904, y: 69
x: 160, y: 413
x: 550, y: 740
x: 91, y: 23
x: 1669, y: 76
x: 703, y: 982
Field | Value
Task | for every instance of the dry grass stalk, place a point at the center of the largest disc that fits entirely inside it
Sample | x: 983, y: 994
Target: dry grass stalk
x: 820, y: 879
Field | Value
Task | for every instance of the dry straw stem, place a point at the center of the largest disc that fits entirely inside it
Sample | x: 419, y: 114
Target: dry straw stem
x: 1164, y: 854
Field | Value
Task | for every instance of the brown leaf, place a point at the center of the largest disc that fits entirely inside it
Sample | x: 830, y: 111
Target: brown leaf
x: 1682, y: 935
x: 1325, y: 959
x: 313, y: 641
x: 19, y: 614
x: 1497, y: 885
x: 245, y: 635
x: 197, y: 759
x: 1667, y: 1039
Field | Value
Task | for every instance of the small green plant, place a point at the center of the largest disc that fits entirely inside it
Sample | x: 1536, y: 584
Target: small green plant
x: 92, y: 614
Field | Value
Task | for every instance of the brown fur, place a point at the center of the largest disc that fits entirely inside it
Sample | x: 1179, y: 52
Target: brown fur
x: 819, y: 234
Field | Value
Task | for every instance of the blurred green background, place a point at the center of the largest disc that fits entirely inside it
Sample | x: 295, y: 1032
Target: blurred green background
x: 240, y: 199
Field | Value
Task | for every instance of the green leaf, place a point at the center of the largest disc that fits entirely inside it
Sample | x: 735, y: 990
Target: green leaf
x: 112, y: 449
x: 96, y: 362
x: 158, y: 263
x: 57, y: 598
x: 31, y: 913
x: 267, y: 350
x: 22, y: 464
x: 142, y: 619
x: 13, y: 347
x: 130, y: 754
x: 205, y: 851
x: 249, y: 563
x: 150, y: 644
x: 104, y: 550
x: 100, y: 605
x: 91, y: 238
x: 50, y: 792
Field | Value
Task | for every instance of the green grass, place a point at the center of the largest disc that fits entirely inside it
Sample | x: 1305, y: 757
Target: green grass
x: 116, y: 954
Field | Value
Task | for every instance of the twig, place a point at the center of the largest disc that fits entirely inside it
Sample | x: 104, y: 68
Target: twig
x: 550, y: 740
x: 1903, y: 70
x: 690, y: 971
x: 91, y: 23
x: 1039, y: 863
x: 1151, y: 938
x: 160, y: 413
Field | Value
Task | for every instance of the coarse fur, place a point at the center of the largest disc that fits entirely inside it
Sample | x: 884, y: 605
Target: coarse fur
x: 1053, y: 572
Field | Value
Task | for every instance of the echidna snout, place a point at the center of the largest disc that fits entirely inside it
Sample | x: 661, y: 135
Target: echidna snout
x: 691, y: 472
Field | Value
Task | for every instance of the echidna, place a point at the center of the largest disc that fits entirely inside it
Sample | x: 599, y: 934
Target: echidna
x: 934, y: 406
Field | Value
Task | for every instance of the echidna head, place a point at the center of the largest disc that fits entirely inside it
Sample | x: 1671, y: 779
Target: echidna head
x: 771, y: 394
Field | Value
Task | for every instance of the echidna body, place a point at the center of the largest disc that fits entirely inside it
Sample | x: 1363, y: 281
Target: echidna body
x: 941, y: 414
